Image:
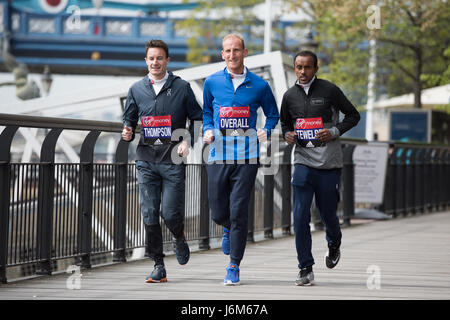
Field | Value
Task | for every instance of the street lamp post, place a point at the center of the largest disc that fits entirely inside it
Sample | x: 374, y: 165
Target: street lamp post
x: 46, y: 80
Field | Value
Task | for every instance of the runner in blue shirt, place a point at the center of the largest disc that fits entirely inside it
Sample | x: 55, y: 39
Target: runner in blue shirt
x: 162, y: 103
x: 231, y: 99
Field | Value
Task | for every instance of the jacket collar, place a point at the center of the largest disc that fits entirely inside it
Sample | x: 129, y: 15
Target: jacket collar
x: 168, y: 83
x: 228, y: 75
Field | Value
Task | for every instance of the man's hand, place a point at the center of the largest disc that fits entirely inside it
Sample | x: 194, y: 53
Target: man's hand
x: 324, y: 135
x: 208, y: 137
x: 183, y: 149
x: 290, y: 137
x: 262, y: 135
x: 127, y: 133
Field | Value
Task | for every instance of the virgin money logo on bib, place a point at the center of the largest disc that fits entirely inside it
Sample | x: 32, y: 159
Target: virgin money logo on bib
x: 157, y: 130
x: 234, y: 118
x: 306, y: 129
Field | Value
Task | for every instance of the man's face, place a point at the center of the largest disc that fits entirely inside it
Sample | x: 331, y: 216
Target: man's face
x: 304, y: 69
x: 157, y: 62
x: 234, y: 54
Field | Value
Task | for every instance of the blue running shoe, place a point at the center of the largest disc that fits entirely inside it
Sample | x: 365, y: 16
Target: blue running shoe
x: 226, y: 241
x: 158, y: 275
x: 232, y: 277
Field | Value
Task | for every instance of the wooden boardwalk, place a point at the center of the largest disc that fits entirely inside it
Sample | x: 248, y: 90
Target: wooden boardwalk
x: 403, y: 258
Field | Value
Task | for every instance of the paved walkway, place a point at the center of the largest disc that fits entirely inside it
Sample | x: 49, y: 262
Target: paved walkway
x: 403, y: 258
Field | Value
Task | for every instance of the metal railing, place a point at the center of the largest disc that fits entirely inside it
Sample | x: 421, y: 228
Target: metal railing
x: 51, y: 211
x: 417, y: 180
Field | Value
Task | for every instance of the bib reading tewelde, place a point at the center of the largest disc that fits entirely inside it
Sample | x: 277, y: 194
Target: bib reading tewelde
x: 157, y: 130
x: 233, y: 119
x: 306, y: 129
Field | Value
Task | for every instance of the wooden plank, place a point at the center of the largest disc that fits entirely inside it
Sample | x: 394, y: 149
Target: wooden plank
x: 411, y: 254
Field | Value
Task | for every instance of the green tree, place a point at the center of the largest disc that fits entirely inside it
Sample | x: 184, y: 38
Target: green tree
x: 411, y: 40
x: 204, y: 33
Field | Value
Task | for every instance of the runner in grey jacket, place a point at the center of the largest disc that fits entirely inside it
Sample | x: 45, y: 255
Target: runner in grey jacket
x: 310, y: 118
x: 325, y: 100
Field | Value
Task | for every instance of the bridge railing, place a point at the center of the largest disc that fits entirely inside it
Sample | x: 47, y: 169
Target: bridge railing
x: 417, y: 180
x: 51, y: 211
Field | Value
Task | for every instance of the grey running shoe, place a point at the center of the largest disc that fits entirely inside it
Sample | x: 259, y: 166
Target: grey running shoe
x: 305, y: 277
x: 332, y: 256
x: 158, y: 274
x: 181, y: 250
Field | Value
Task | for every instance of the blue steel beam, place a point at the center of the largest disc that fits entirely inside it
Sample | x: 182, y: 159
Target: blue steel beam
x: 40, y: 39
x: 96, y: 63
x: 34, y: 6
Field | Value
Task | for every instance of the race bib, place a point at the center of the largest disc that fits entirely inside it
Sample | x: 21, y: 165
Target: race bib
x: 157, y: 130
x: 306, y: 129
x: 234, y: 118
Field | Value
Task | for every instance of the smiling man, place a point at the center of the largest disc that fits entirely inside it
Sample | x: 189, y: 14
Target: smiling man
x: 231, y: 99
x: 161, y: 102
x: 310, y: 119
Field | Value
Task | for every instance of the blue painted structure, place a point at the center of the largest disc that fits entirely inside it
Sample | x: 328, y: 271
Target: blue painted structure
x: 94, y: 44
x: 35, y: 6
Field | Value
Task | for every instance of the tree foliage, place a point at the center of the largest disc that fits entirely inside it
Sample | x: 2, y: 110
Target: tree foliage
x: 235, y: 16
x: 412, y: 38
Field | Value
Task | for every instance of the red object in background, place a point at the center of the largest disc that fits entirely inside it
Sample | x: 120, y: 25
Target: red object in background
x: 53, y: 2
x: 96, y: 29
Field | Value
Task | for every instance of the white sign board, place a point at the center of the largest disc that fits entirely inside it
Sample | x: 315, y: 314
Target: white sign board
x: 370, y: 172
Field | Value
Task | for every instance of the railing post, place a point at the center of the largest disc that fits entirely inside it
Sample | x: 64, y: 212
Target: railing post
x: 389, y: 189
x: 348, y: 184
x: 204, y: 210
x: 441, y: 177
x: 447, y: 179
x: 120, y: 201
x: 400, y: 183
x: 430, y: 179
x: 410, y: 180
x: 286, y: 190
x: 434, y: 178
x: 419, y: 182
x: 45, y: 203
x: 85, y: 198
x: 5, y: 171
x: 269, y: 185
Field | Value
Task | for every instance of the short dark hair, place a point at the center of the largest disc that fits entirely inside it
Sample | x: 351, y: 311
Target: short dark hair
x: 307, y: 53
x: 157, y: 44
